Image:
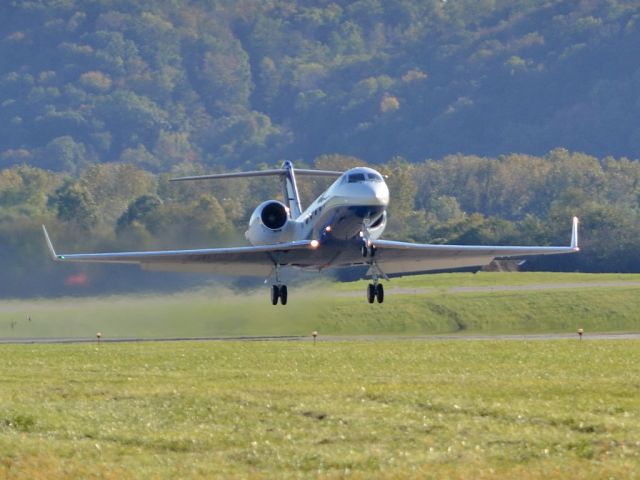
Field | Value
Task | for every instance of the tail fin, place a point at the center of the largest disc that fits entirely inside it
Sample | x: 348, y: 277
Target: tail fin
x: 290, y: 190
x: 288, y: 175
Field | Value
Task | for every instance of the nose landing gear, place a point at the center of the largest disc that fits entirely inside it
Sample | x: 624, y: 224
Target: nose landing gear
x: 367, y: 249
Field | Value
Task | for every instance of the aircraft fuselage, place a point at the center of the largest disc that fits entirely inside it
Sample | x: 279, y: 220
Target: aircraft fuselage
x: 357, y: 199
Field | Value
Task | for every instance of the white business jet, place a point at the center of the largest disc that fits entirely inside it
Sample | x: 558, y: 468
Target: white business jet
x: 341, y: 228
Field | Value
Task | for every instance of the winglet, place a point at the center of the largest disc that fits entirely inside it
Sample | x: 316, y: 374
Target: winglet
x: 52, y: 251
x: 574, y: 235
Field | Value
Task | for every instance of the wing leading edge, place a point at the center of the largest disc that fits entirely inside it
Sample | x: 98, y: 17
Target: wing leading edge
x: 252, y: 261
x: 397, y: 258
x: 392, y: 258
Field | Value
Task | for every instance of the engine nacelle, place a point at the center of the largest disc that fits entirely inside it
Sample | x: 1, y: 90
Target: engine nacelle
x: 377, y: 227
x: 269, y: 223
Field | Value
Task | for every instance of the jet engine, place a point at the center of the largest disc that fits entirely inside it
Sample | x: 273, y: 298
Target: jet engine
x: 377, y: 226
x: 269, y: 224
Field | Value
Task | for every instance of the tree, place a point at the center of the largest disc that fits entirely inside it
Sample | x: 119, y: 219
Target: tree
x: 138, y: 212
x: 62, y: 154
x: 74, y: 204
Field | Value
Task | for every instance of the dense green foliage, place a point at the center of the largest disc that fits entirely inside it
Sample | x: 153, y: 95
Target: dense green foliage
x: 514, y: 199
x: 226, y: 82
x: 101, y: 101
x: 263, y: 410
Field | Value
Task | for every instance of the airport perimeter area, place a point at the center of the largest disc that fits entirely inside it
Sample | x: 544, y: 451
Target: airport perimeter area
x: 383, y: 406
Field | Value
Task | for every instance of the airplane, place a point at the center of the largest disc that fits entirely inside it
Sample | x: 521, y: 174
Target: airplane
x: 341, y: 228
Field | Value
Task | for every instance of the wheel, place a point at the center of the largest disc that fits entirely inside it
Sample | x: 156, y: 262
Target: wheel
x: 372, y: 251
x: 275, y: 294
x: 380, y: 293
x: 283, y: 294
x: 363, y: 249
x: 371, y: 293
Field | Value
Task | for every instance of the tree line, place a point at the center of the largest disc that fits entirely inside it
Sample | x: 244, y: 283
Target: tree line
x: 513, y: 199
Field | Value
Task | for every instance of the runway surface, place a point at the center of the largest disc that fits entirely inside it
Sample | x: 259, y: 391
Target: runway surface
x: 337, y: 338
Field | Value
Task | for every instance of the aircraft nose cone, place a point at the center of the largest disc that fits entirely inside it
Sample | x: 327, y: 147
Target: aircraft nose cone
x: 381, y: 192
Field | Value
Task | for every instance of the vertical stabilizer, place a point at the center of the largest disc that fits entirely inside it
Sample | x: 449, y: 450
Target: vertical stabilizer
x: 290, y: 190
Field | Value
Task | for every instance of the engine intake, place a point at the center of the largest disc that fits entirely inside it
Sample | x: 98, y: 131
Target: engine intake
x: 274, y: 215
x: 269, y: 224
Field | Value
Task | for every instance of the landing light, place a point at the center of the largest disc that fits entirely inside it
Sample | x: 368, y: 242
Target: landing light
x: 315, y: 243
x: 328, y: 228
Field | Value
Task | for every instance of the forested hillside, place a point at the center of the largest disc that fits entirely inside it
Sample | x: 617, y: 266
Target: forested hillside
x: 475, y: 109
x: 227, y: 82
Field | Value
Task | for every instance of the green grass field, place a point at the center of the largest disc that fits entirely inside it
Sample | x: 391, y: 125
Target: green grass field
x: 358, y: 409
x: 386, y: 409
x: 340, y: 309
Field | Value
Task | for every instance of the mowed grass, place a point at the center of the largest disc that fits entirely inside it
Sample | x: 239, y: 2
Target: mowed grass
x: 489, y: 279
x: 386, y: 409
x: 565, y: 303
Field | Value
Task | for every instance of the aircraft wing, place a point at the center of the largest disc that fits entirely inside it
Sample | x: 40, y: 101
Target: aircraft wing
x: 398, y: 258
x: 251, y: 260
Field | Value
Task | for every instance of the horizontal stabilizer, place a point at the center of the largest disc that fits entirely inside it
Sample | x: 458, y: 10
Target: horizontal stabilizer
x: 262, y: 173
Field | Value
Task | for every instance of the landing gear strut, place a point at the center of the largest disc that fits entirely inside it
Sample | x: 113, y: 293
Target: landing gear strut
x: 375, y: 291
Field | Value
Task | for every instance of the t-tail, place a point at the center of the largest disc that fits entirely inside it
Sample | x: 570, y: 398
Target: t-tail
x: 287, y: 175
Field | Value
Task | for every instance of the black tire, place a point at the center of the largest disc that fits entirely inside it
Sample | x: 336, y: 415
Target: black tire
x: 275, y: 294
x: 283, y: 294
x: 371, y: 293
x: 372, y: 251
x: 380, y: 293
x: 364, y: 250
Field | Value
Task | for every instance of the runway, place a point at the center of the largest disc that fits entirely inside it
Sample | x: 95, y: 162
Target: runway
x: 333, y: 338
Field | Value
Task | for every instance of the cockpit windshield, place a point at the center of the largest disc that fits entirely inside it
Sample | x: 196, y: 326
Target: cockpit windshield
x: 364, y: 177
x: 356, y: 177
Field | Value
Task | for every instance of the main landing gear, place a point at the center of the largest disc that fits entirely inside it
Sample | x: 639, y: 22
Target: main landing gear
x: 278, y: 292
x: 375, y: 291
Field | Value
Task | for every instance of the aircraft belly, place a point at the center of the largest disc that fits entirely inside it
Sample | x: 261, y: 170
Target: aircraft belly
x: 347, y: 221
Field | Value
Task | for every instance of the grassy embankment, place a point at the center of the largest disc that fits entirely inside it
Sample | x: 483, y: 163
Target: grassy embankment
x: 420, y: 305
x: 402, y: 409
